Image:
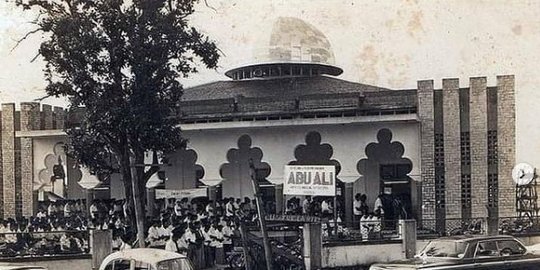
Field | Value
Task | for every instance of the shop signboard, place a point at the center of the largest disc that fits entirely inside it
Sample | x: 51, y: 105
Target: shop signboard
x: 313, y: 180
x: 179, y: 194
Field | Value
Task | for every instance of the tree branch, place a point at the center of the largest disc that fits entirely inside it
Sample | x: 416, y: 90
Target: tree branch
x: 24, y: 37
x: 211, y: 7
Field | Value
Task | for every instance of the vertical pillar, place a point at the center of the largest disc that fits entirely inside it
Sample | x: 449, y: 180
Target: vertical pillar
x: 100, y: 246
x: 30, y: 120
x: 8, y: 159
x: 279, y: 198
x: 452, y: 150
x: 506, y: 144
x: 312, y: 245
x: 425, y: 113
x: 478, y: 131
x: 348, y: 194
x: 59, y: 116
x: 408, y: 229
x: 47, y: 117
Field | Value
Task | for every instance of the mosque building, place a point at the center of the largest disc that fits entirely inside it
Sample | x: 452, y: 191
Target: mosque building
x: 446, y: 153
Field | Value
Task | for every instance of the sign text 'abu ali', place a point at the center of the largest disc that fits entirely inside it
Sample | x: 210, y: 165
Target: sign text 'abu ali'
x: 310, y: 180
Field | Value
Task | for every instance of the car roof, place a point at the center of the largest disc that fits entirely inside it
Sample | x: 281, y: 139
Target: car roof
x: 147, y: 255
x: 471, y: 238
x: 15, y: 266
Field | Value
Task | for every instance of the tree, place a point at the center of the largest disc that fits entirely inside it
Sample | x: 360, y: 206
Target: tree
x: 120, y: 60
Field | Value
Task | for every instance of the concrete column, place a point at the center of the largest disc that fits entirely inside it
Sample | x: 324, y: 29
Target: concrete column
x: 59, y: 116
x: 408, y: 230
x: 279, y: 198
x: 478, y: 131
x: 8, y: 159
x: 30, y: 120
x: 427, y: 141
x: 47, y: 117
x: 312, y: 245
x: 506, y: 144
x: 348, y: 194
x: 452, y: 150
x: 100, y: 246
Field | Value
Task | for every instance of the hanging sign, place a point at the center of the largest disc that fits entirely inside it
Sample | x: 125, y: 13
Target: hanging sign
x: 310, y: 180
x: 179, y: 194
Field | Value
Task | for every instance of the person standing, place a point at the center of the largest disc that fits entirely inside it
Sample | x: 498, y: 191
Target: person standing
x: 171, y: 244
x: 306, y: 205
x: 357, y: 210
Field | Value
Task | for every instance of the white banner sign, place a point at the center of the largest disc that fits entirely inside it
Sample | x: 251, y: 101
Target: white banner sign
x: 310, y: 180
x: 179, y: 194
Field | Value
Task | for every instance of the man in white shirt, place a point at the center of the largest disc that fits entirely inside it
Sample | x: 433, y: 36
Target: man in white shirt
x: 306, y: 205
x: 357, y: 210
x: 153, y: 234
x: 326, y: 209
x: 178, y: 209
x: 229, y: 208
x: 228, y: 233
x: 172, y: 244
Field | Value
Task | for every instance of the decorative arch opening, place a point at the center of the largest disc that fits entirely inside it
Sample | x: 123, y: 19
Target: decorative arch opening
x: 385, y: 175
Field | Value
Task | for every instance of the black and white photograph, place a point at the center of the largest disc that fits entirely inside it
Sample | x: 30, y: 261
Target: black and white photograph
x: 269, y: 134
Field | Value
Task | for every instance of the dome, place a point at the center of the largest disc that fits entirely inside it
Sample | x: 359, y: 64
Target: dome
x: 292, y: 44
x: 294, y: 40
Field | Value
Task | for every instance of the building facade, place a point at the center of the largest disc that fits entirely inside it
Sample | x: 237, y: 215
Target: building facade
x: 446, y: 153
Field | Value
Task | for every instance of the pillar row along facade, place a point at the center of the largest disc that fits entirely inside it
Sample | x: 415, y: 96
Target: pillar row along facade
x: 467, y: 149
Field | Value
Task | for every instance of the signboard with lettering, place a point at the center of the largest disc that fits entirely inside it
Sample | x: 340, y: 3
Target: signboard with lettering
x: 310, y: 180
x: 293, y: 218
x: 179, y: 194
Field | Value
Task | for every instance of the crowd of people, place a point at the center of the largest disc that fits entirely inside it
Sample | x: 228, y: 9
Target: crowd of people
x: 204, y: 230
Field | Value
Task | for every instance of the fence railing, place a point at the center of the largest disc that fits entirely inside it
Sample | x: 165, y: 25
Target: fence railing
x: 518, y: 225
x: 381, y: 229
x: 32, y: 244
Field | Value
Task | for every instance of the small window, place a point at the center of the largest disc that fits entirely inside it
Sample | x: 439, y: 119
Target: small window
x: 142, y: 266
x: 486, y: 249
x: 510, y: 247
x: 121, y: 265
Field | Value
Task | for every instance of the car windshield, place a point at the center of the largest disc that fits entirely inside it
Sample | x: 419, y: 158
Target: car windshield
x: 451, y: 249
x: 176, y: 264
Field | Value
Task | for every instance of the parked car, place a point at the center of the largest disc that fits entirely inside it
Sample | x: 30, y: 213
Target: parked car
x: 17, y: 266
x: 147, y: 259
x: 469, y: 252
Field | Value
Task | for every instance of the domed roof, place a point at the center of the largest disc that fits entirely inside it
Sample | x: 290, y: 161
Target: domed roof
x: 294, y: 40
x: 292, y: 48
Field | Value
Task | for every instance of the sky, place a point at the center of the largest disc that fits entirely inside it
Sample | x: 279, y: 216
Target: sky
x: 385, y: 43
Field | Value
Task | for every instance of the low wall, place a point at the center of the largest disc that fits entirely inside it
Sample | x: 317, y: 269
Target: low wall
x: 529, y: 240
x: 57, y: 263
x: 364, y: 253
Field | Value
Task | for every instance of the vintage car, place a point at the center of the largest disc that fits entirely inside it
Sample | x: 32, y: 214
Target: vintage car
x: 17, y: 266
x: 146, y: 259
x: 469, y: 252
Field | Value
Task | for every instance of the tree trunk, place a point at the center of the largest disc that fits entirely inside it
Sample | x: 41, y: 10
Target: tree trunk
x: 137, y: 204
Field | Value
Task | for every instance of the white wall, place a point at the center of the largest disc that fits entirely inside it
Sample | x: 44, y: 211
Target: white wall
x: 278, y: 145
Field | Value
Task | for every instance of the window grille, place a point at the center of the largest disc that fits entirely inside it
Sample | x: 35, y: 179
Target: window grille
x: 466, y: 191
x: 439, y: 191
x: 493, y: 190
x: 439, y: 150
x: 465, y: 148
x: 492, y: 147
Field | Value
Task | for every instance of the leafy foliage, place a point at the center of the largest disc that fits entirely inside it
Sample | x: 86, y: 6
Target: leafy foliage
x: 120, y: 61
